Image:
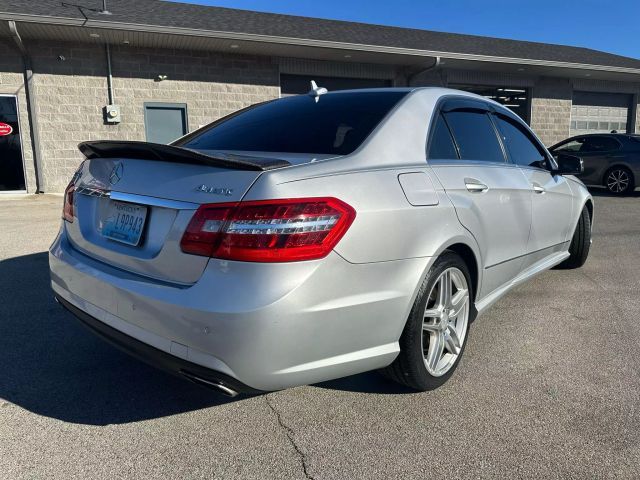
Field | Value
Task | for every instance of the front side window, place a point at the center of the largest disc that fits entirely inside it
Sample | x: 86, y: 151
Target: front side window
x: 523, y: 150
x: 571, y: 147
x: 475, y: 136
x: 441, y: 145
x: 335, y: 124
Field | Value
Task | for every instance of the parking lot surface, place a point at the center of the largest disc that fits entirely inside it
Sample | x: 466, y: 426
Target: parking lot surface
x: 549, y: 387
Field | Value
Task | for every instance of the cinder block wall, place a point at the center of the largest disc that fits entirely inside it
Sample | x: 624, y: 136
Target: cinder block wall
x: 551, y: 109
x: 72, y: 93
x: 12, y: 83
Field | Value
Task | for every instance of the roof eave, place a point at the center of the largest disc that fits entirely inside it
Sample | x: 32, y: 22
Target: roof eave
x: 304, y: 42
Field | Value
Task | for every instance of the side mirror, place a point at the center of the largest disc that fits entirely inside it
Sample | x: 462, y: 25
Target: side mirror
x: 568, y: 164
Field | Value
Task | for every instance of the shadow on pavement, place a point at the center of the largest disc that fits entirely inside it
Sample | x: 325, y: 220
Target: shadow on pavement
x: 52, y: 366
x: 603, y: 192
x: 368, y: 382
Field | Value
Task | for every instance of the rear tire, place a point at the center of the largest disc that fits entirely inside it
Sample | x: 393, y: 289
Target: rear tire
x: 437, y: 325
x: 580, y: 243
x: 619, y: 181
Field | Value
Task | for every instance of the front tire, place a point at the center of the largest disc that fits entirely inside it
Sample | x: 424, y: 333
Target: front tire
x: 580, y: 243
x: 435, y: 335
x: 619, y: 181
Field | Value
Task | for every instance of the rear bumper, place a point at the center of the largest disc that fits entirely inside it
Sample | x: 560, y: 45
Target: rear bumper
x: 257, y: 327
x: 153, y: 356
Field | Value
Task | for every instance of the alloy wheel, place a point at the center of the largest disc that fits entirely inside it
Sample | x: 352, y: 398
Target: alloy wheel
x: 446, y: 318
x: 618, y: 181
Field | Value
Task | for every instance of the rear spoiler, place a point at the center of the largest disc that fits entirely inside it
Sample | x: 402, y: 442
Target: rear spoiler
x: 169, y: 153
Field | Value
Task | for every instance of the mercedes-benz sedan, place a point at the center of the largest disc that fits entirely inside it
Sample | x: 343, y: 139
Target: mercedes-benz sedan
x: 316, y: 236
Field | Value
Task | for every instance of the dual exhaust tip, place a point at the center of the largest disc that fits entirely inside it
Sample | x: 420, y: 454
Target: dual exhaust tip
x: 212, y: 384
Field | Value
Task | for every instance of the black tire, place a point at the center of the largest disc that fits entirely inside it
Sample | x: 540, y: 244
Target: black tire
x: 408, y: 368
x: 580, y: 243
x: 614, y: 178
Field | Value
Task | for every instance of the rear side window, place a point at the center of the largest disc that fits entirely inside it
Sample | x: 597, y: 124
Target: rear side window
x: 599, y: 144
x: 441, y: 145
x: 475, y: 136
x: 335, y: 124
x: 522, y: 148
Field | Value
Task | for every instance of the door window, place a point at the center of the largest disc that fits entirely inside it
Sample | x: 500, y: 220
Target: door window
x: 593, y: 144
x: 599, y: 144
x: 571, y: 147
x: 165, y: 122
x: 474, y: 135
x: 441, y: 145
x: 11, y: 166
x: 523, y: 149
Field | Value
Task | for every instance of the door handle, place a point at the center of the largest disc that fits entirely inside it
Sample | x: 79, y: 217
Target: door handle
x: 475, y: 186
x: 538, y: 188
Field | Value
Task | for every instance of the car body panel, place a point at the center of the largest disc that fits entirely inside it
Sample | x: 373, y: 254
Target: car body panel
x: 276, y: 325
x: 551, y: 205
x: 498, y: 218
x: 250, y: 326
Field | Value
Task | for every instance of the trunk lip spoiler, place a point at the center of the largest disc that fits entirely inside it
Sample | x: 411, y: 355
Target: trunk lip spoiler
x: 169, y: 153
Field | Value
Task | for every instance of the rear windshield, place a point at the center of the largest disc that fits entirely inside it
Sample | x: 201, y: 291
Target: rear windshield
x: 336, y: 124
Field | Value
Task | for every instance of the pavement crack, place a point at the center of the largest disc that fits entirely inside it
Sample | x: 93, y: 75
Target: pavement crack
x: 290, y: 435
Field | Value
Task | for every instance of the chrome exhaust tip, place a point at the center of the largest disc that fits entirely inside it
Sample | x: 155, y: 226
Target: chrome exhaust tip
x: 215, y: 385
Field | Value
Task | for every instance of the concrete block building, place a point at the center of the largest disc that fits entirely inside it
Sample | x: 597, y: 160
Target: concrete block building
x: 155, y: 70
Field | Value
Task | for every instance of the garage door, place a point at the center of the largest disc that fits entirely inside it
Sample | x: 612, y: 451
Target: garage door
x: 299, y: 84
x: 599, y: 112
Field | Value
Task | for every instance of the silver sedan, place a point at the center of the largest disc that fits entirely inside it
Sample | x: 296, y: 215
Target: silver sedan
x: 316, y: 236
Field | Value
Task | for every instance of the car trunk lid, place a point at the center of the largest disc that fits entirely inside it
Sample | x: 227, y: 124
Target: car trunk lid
x: 164, y: 186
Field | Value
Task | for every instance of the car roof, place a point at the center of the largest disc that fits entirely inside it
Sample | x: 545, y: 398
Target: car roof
x: 434, y: 91
x: 625, y: 136
x: 608, y: 134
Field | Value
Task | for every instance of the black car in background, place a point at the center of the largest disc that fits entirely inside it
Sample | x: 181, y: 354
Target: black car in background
x: 610, y: 159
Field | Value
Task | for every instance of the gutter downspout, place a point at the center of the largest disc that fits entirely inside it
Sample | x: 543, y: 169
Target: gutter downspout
x: 31, y: 105
x: 435, y: 65
x: 109, y: 76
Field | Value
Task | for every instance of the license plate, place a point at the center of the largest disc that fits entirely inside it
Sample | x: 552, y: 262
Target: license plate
x: 124, y: 222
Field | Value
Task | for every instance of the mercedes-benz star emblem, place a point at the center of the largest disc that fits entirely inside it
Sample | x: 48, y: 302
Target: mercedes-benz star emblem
x: 116, y: 173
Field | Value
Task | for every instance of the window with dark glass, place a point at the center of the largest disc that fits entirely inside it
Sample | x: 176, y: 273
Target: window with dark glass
x: 330, y: 124
x: 571, y: 147
x: 599, y: 144
x: 441, y: 145
x: 475, y: 136
x: 523, y: 149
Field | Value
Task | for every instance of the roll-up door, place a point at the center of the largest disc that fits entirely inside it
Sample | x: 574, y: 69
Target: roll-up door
x: 600, y: 113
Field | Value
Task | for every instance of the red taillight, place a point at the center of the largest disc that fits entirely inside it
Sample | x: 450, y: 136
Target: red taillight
x: 268, y: 230
x: 67, y: 208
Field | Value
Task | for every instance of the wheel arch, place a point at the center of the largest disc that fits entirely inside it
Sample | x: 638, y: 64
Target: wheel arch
x: 589, y: 205
x: 469, y: 257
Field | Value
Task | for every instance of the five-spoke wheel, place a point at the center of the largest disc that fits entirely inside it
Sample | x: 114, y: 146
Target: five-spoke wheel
x: 434, y: 336
x: 445, y: 321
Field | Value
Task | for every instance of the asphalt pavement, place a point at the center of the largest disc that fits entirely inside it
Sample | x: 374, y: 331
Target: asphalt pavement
x: 549, y: 387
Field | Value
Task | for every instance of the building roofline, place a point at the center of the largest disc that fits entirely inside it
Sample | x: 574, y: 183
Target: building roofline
x: 296, y: 41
